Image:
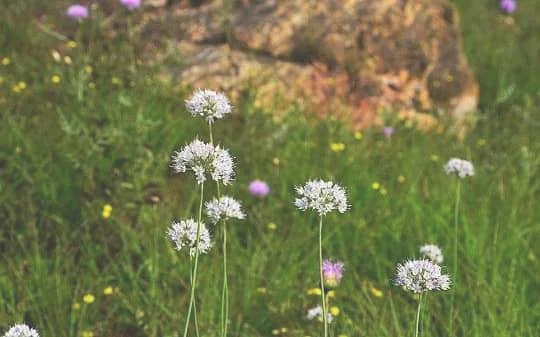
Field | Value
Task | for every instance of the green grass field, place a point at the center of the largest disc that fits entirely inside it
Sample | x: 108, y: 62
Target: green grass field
x: 82, y: 127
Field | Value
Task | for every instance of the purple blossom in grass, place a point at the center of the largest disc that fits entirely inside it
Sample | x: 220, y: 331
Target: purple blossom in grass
x: 21, y: 330
x: 420, y: 276
x: 131, y: 4
x: 508, y: 6
x: 389, y: 131
x: 332, y: 273
x: 259, y: 188
x: 77, y: 12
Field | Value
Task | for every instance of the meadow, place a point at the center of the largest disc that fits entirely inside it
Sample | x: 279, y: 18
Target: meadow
x: 87, y: 195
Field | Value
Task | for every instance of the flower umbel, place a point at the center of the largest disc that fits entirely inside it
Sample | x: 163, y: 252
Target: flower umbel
x: 432, y: 252
x: 184, y: 234
x: 203, y: 159
x: 420, y: 276
x: 460, y: 167
x: 21, y: 330
x: 321, y: 196
x: 317, y: 312
x: 209, y: 105
x: 223, y: 208
x: 332, y: 273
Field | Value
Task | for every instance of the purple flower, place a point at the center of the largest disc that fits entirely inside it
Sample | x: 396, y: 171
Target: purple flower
x: 508, y: 6
x: 332, y: 273
x: 259, y: 188
x: 77, y: 12
x: 389, y: 131
x: 131, y: 4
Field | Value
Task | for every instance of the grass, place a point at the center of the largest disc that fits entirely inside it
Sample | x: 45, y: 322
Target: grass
x: 68, y: 149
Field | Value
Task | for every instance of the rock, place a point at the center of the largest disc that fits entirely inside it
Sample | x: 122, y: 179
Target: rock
x: 353, y: 58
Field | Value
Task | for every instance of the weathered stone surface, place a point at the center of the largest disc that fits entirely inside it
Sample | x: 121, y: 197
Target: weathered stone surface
x: 347, y: 57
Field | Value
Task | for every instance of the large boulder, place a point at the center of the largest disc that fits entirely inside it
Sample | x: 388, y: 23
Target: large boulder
x: 346, y: 57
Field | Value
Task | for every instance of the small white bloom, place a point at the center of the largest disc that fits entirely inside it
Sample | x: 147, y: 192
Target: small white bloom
x: 223, y: 208
x: 432, y: 252
x: 21, y: 330
x: 420, y: 276
x: 460, y: 167
x: 203, y: 159
x: 321, y: 196
x: 209, y: 105
x: 184, y: 234
x: 317, y: 312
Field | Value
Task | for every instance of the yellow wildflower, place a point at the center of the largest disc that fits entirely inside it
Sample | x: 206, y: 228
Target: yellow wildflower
x: 89, y: 298
x: 107, y: 209
x: 434, y: 158
x: 275, y: 161
x: 56, y: 55
x: 115, y: 81
x: 67, y: 59
x: 334, y: 311
x: 272, y: 226
x: 401, y: 179
x: 108, y: 291
x: 71, y: 44
x: 55, y: 79
x: 283, y: 330
x: 337, y: 147
x: 262, y: 290
x: 6, y: 61
x: 376, y: 292
x: 358, y: 135
x: 91, y: 85
x: 331, y: 294
x: 375, y: 186
x: 384, y: 191
x: 275, y: 332
x: 87, y: 334
x: 22, y: 85
x: 88, y: 69
x: 314, y: 291
x: 76, y: 306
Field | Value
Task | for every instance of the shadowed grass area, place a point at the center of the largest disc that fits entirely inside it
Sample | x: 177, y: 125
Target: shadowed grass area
x: 102, y: 131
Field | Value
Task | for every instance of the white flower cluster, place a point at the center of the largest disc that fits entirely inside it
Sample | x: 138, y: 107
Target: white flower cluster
x: 21, y: 330
x: 203, y: 159
x: 321, y: 196
x: 432, y: 252
x: 223, y: 208
x: 420, y: 276
x: 460, y: 167
x: 317, y: 312
x: 209, y: 105
x: 184, y: 234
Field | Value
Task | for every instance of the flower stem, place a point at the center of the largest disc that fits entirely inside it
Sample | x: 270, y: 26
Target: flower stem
x: 194, y: 283
x: 456, y: 215
x: 418, y: 316
x: 323, y: 297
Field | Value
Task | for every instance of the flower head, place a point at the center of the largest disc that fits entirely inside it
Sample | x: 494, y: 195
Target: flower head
x: 77, y: 12
x: 209, y: 105
x: 21, y: 330
x: 184, y: 234
x: 317, y: 312
x: 460, y: 167
x: 259, y: 188
x: 389, y: 131
x: 332, y: 273
x: 203, y: 159
x: 432, y: 252
x: 508, y: 6
x: 131, y: 4
x: 321, y: 196
x: 223, y: 208
x: 420, y: 276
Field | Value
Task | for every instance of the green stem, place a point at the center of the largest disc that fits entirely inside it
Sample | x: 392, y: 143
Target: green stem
x: 325, y: 313
x: 225, y: 290
x: 211, y: 135
x: 194, y: 283
x: 456, y: 215
x: 418, y: 316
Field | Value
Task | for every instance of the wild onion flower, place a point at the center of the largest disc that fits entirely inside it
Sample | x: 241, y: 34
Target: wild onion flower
x: 332, y: 273
x: 21, y: 330
x: 508, y: 6
x: 223, y: 208
x: 317, y: 312
x: 203, y: 159
x: 77, y: 12
x: 184, y: 234
x: 432, y: 252
x: 389, y: 131
x: 460, y: 167
x: 259, y: 188
x: 420, y: 276
x: 131, y: 4
x: 321, y: 196
x: 209, y: 105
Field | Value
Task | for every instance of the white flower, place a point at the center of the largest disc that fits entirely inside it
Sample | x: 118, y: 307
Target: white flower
x: 460, y: 167
x: 203, y: 159
x: 21, y: 330
x: 432, y: 252
x: 223, y: 208
x: 184, y: 234
x: 321, y: 196
x: 317, y: 312
x: 420, y: 276
x: 209, y: 105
